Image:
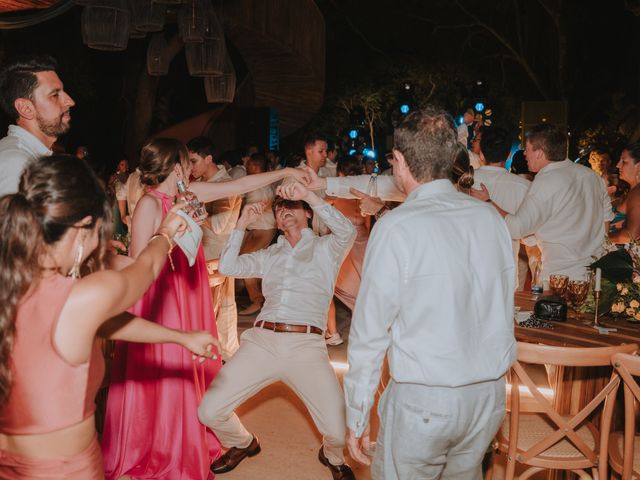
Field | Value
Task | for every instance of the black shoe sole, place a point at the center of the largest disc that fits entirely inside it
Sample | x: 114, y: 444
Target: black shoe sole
x: 228, y: 468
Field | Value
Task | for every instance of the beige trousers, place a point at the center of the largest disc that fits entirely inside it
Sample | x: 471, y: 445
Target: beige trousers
x: 255, y: 240
x: 300, y: 360
x: 224, y: 306
x: 429, y: 433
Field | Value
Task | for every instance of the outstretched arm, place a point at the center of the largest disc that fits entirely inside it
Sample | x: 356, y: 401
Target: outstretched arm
x: 135, y: 329
x: 207, y: 192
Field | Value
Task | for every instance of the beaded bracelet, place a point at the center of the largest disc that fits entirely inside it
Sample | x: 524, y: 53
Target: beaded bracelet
x: 168, y: 239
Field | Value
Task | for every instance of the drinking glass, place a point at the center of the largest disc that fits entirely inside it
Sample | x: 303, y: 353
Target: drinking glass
x: 577, y: 291
x: 558, y: 284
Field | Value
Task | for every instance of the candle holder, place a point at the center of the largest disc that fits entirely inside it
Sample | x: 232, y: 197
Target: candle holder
x: 596, y: 320
x: 596, y: 296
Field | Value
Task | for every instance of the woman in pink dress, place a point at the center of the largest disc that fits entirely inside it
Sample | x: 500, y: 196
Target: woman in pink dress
x: 51, y: 365
x: 151, y: 425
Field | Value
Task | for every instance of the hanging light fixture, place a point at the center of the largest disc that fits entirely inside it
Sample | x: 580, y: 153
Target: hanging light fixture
x: 207, y: 58
x: 157, y: 55
x: 221, y: 88
x: 105, y: 24
x: 191, y: 21
x: 147, y: 16
x: 169, y: 2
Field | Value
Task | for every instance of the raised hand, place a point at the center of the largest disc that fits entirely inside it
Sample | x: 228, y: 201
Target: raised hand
x: 250, y: 213
x: 368, y: 205
x: 202, y: 344
x: 297, y: 174
x: 315, y: 182
x: 172, y: 222
x: 292, y: 191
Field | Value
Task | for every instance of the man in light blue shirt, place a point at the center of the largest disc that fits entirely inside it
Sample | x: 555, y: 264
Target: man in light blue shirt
x: 32, y: 94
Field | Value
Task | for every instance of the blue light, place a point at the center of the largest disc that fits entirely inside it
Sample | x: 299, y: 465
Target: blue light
x: 353, y: 134
x: 367, y: 152
x: 460, y: 120
x: 479, y: 107
x: 352, y: 151
x: 404, y: 109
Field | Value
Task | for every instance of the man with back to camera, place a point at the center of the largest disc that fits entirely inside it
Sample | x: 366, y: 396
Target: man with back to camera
x: 32, y: 95
x: 437, y: 297
x: 567, y: 207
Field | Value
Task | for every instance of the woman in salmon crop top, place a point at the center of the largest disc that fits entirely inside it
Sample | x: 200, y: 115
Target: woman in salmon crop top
x: 50, y: 366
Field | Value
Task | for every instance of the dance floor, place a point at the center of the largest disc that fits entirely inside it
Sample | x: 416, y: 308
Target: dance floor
x: 287, y: 435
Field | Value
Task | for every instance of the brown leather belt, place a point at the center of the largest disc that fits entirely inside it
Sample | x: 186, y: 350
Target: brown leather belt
x: 287, y: 327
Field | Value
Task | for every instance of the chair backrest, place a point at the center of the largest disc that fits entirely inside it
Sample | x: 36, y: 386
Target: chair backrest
x: 628, y: 367
x: 565, y: 427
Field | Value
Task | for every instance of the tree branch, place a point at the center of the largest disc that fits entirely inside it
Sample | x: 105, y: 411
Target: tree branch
x: 358, y: 32
x: 517, y: 55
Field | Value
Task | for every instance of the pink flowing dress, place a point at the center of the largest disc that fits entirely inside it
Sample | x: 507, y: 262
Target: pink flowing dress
x: 151, y: 426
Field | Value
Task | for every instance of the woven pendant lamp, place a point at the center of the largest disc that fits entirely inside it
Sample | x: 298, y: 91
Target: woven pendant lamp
x: 106, y: 24
x: 157, y: 55
x: 221, y: 88
x: 147, y: 16
x: 191, y: 21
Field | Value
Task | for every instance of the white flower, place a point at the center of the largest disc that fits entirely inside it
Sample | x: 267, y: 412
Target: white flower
x: 634, y: 304
x: 624, y: 291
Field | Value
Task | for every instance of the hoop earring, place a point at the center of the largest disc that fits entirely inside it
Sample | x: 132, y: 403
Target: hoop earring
x: 75, y: 270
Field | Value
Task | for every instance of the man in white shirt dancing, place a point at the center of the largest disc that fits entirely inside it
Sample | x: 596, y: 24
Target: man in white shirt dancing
x: 287, y: 341
x: 437, y: 295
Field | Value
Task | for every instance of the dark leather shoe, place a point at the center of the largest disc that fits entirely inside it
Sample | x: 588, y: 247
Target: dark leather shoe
x: 234, y: 456
x: 339, y: 472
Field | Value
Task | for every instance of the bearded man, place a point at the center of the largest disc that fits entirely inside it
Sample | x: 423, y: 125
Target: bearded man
x: 32, y: 94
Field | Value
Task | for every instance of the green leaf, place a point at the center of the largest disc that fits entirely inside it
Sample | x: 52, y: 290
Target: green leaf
x: 616, y: 266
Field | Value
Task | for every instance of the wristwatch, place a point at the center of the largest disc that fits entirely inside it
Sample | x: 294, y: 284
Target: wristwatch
x: 381, y: 212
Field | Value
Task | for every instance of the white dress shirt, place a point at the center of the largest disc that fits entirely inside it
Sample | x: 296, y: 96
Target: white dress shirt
x: 297, y: 282
x: 223, y: 215
x: 437, y: 293
x: 387, y: 188
x: 237, y: 172
x: 16, y: 149
x: 566, y: 208
x: 505, y: 189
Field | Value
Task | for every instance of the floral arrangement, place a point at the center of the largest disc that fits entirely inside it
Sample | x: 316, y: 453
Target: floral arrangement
x: 621, y: 281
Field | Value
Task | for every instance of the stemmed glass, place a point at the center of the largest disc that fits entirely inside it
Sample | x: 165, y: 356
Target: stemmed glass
x: 558, y: 284
x: 577, y: 291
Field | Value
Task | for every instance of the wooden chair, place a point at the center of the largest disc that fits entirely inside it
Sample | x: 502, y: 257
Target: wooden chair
x: 543, y: 438
x: 624, y: 448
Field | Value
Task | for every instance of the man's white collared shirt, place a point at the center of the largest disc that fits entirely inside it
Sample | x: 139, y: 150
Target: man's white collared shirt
x: 565, y: 208
x: 505, y: 189
x: 437, y: 293
x: 16, y: 150
x: 297, y: 282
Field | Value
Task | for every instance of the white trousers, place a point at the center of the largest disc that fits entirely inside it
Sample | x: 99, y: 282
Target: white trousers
x: 436, y: 432
x: 300, y: 360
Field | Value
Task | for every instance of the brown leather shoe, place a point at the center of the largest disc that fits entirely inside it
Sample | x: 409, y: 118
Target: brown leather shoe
x: 234, y: 456
x: 339, y: 472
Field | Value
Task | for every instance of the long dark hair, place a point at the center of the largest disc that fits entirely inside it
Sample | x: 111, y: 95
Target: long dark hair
x: 55, y: 193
